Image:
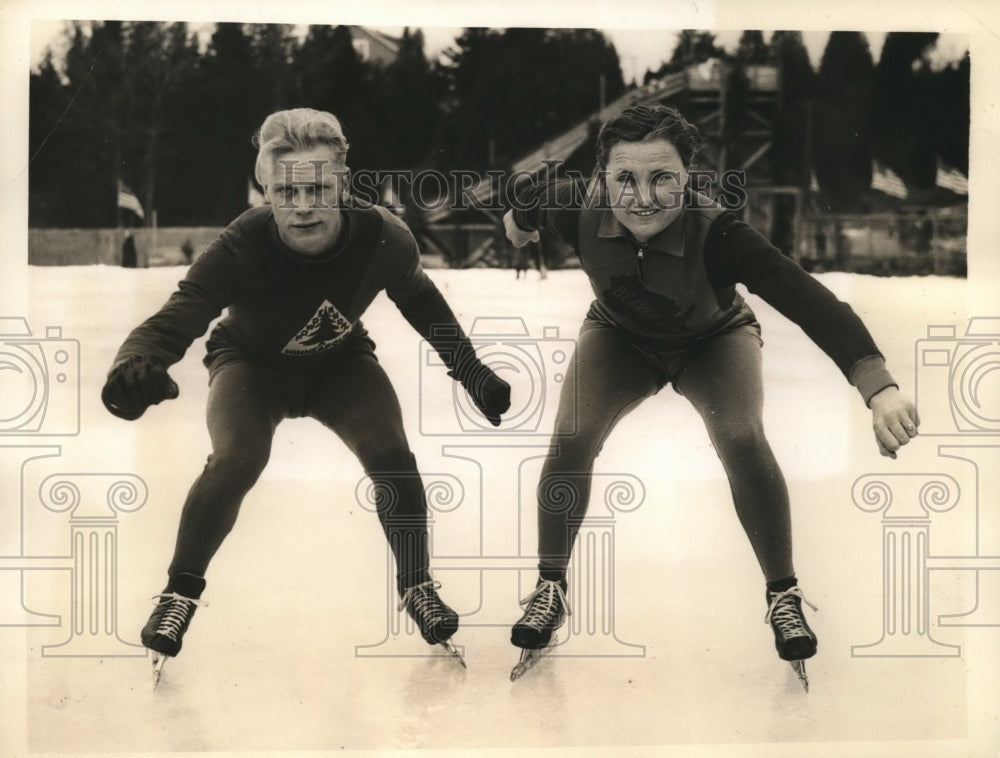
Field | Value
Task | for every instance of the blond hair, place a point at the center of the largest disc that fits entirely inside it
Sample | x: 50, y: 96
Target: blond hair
x: 296, y: 129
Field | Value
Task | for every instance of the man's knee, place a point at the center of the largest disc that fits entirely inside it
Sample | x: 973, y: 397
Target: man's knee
x: 242, y: 465
x: 397, y: 490
x: 579, y: 445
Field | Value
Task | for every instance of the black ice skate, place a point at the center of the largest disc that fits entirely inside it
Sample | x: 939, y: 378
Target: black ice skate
x: 175, y: 606
x: 793, y: 639
x: 436, y: 621
x: 545, y: 610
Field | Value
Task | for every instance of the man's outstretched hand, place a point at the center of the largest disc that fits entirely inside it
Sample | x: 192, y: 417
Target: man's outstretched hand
x: 135, y: 384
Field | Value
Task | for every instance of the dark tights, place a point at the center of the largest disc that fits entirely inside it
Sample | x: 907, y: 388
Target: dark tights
x: 722, y: 380
x: 356, y: 401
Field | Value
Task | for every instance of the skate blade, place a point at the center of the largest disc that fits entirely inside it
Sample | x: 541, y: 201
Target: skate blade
x: 528, y: 660
x: 159, y: 661
x: 454, y: 652
x: 799, y: 667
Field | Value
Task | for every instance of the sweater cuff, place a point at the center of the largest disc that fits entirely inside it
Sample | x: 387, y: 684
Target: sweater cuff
x: 871, y: 376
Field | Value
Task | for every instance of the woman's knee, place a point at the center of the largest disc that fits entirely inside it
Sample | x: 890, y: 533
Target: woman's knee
x: 387, y: 457
x: 738, y: 436
x: 564, y: 493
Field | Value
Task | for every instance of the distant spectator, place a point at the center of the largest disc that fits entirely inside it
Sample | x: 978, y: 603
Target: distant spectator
x: 925, y: 233
x: 820, y: 243
x: 129, y: 258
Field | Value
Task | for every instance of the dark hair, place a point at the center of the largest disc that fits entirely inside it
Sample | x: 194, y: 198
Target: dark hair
x: 638, y: 123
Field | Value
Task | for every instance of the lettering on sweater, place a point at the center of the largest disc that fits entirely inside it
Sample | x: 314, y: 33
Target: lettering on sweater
x: 629, y: 296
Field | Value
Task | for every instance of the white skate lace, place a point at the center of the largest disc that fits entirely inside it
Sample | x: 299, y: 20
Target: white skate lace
x: 550, y: 598
x: 785, y: 616
x: 177, y: 613
x: 426, y: 605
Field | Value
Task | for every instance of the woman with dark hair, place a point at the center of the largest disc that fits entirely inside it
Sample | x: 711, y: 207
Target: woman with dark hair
x: 663, y: 262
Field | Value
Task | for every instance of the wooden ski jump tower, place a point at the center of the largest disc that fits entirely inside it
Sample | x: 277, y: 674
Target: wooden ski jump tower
x: 735, y: 107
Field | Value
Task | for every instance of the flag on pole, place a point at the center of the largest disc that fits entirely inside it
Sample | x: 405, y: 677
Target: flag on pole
x: 885, y: 180
x: 128, y: 200
x: 255, y: 198
x: 951, y: 178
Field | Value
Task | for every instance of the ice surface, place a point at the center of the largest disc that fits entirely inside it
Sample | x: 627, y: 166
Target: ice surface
x: 300, y: 587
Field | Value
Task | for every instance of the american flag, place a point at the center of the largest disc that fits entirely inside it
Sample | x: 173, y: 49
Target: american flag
x: 128, y: 200
x: 885, y: 180
x: 951, y: 178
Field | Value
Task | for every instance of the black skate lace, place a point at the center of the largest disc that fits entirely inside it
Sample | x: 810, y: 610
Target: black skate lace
x: 785, y: 616
x: 543, y: 605
x: 426, y: 604
x: 176, y: 614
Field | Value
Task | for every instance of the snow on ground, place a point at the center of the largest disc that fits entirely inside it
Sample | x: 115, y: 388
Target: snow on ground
x: 298, y: 649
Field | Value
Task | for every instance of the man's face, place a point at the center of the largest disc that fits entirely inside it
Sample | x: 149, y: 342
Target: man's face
x: 304, y: 189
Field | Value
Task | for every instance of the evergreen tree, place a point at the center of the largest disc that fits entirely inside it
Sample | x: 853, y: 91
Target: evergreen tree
x: 482, y: 91
x: 904, y: 108
x: 158, y: 60
x: 274, y: 46
x: 510, y: 90
x: 49, y: 100
x: 752, y: 49
x: 950, y: 119
x: 842, y: 130
x: 187, y: 188
x: 95, y: 141
x: 332, y: 77
x: 407, y: 106
x: 694, y: 46
x: 236, y: 112
x: 797, y: 83
x: 790, y: 160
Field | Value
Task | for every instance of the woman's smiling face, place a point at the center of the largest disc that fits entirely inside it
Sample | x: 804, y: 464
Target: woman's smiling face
x: 645, y: 182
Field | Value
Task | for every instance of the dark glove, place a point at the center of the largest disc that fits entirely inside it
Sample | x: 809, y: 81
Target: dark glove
x: 135, y: 384
x: 489, y: 392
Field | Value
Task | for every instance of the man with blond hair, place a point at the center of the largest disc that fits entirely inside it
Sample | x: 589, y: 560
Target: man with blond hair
x: 295, y: 277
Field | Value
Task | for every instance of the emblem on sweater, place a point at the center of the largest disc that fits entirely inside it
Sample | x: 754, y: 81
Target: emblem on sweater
x: 326, y: 328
